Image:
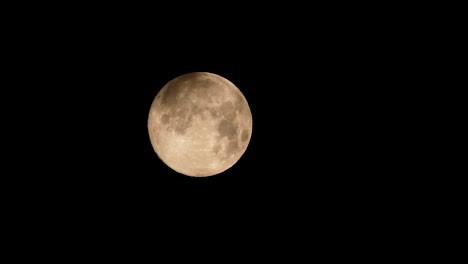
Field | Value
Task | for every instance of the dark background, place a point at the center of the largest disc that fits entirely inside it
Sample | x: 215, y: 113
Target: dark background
x: 318, y: 137
x: 325, y: 90
x: 317, y: 98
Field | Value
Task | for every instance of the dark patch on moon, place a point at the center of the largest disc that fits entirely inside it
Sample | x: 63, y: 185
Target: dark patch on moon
x: 178, y: 119
x: 165, y: 118
x: 240, y: 103
x: 232, y: 147
x: 182, y: 125
x: 239, y: 97
x: 214, y: 112
x: 199, y: 85
x: 216, y: 149
x: 181, y: 112
x: 228, y: 110
x: 227, y: 129
x: 182, y: 120
x: 217, y: 92
x: 244, y: 135
x: 207, y: 90
x: 203, y: 85
x: 178, y: 85
x: 196, y: 109
x: 173, y: 89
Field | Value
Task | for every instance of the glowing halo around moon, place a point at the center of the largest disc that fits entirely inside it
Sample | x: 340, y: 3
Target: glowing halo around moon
x: 200, y: 124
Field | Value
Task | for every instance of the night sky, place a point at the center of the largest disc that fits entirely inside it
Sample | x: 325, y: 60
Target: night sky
x: 315, y: 129
x: 323, y: 147
x: 315, y: 104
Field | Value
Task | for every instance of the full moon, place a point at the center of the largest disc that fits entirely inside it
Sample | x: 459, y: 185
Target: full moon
x: 200, y: 124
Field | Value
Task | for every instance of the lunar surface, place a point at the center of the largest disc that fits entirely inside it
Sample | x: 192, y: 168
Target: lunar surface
x: 200, y: 124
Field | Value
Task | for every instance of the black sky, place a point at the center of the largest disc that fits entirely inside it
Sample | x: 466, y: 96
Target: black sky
x: 313, y: 101
x: 321, y: 95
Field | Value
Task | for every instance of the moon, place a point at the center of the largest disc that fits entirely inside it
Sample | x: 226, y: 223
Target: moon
x: 200, y: 124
